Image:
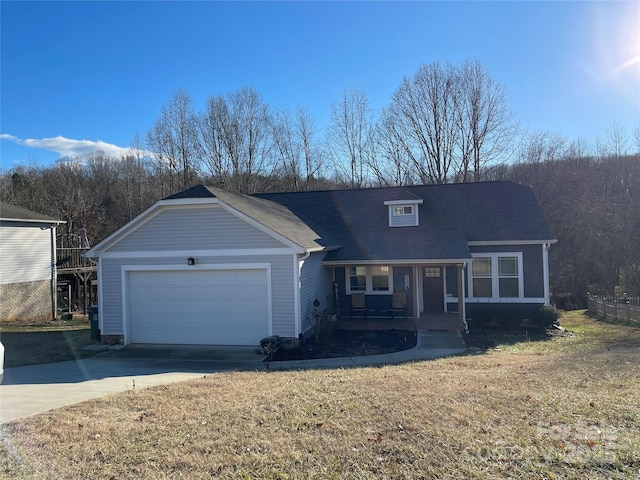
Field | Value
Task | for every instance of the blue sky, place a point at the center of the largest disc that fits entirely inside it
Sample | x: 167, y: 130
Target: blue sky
x: 80, y: 76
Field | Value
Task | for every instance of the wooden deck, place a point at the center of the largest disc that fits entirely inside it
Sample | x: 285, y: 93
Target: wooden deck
x: 69, y: 260
x: 440, y: 322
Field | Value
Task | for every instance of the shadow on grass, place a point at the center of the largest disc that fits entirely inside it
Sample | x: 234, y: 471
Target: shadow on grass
x: 29, y: 348
x: 485, y: 338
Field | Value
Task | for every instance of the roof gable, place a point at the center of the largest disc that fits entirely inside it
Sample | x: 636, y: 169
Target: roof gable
x: 274, y: 219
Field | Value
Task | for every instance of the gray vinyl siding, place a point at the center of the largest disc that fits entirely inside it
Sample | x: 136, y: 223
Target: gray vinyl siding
x: 532, y: 259
x: 25, y: 253
x: 315, y: 282
x: 282, y: 287
x: 209, y: 227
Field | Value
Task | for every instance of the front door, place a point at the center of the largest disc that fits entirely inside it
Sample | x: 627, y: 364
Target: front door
x: 433, y: 290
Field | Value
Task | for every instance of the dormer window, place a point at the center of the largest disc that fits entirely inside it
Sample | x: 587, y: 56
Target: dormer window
x: 403, y: 210
x: 403, y: 213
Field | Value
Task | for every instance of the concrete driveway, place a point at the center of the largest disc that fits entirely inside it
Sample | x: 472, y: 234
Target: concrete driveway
x: 37, y: 388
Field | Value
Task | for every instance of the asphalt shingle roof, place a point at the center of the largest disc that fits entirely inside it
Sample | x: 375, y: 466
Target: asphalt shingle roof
x: 357, y: 221
x: 273, y: 215
x: 13, y: 212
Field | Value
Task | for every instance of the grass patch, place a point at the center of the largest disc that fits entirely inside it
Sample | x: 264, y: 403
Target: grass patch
x: 559, y: 409
x: 28, y: 344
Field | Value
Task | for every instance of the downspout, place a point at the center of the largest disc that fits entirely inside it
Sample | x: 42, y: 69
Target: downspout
x: 98, y: 292
x: 462, y: 312
x: 297, y: 292
x: 53, y: 284
x: 545, y: 270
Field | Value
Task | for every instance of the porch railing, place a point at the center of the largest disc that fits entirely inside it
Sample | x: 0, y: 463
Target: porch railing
x: 71, y: 258
x: 626, y: 308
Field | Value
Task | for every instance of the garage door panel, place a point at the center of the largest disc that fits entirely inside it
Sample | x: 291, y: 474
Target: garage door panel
x: 217, y: 307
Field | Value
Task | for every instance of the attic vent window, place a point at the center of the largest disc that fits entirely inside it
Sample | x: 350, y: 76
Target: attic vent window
x: 403, y: 210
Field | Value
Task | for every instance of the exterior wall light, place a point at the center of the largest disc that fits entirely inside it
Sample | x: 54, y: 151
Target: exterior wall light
x: 191, y: 261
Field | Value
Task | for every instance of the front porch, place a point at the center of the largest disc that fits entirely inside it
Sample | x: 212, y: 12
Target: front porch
x: 442, y: 322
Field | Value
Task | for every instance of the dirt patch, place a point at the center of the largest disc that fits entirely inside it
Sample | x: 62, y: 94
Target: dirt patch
x: 348, y: 343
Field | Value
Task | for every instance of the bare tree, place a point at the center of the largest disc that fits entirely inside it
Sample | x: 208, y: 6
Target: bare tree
x: 391, y: 167
x: 135, y: 178
x: 422, y: 116
x: 288, y: 149
x: 173, y: 140
x: 311, y: 153
x: 486, y: 125
x: 616, y: 139
x: 215, y: 138
x: 447, y: 123
x: 253, y: 136
x: 350, y: 134
x: 541, y: 147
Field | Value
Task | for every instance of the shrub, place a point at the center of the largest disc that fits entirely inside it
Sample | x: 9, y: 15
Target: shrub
x: 546, y: 316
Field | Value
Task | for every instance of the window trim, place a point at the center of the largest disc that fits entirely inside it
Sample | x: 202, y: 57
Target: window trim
x: 369, y: 280
x: 495, y: 276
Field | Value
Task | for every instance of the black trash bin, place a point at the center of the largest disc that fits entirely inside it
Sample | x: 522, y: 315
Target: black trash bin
x: 93, y: 319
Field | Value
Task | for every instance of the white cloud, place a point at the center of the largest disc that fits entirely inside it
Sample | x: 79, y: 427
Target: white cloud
x: 68, y: 147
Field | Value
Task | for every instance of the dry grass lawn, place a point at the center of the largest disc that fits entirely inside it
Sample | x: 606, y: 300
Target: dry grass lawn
x: 567, y: 408
x: 27, y: 344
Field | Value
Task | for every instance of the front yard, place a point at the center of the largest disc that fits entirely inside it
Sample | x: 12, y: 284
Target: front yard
x: 565, y: 408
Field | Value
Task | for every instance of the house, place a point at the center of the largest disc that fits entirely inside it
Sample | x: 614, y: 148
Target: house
x: 27, y: 264
x: 208, y: 266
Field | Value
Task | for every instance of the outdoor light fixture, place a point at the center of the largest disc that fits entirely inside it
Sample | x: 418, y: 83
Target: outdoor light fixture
x: 191, y: 261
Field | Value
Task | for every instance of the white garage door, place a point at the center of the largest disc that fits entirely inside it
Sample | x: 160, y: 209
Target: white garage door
x: 209, y: 307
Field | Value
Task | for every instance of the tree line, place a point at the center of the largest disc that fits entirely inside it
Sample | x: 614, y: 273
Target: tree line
x: 446, y: 123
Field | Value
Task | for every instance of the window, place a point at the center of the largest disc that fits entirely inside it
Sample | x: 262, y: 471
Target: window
x: 497, y: 276
x: 380, y: 279
x: 403, y: 210
x: 508, y: 283
x: 358, y: 279
x: 373, y: 279
x: 482, y: 279
x: 432, y: 272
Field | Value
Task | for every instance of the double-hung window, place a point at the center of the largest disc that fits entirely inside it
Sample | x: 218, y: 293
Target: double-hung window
x: 369, y: 279
x: 482, y: 278
x: 497, y: 276
x: 508, y: 280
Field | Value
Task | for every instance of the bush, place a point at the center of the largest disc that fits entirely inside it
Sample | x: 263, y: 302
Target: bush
x: 546, y: 316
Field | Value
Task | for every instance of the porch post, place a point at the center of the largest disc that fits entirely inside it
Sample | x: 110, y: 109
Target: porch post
x: 461, y: 293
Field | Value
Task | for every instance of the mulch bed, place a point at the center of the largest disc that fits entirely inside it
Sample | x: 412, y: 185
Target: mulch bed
x: 349, y: 343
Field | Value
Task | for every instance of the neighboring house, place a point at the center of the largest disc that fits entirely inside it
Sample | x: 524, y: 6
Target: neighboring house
x: 27, y: 264
x: 207, y: 266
